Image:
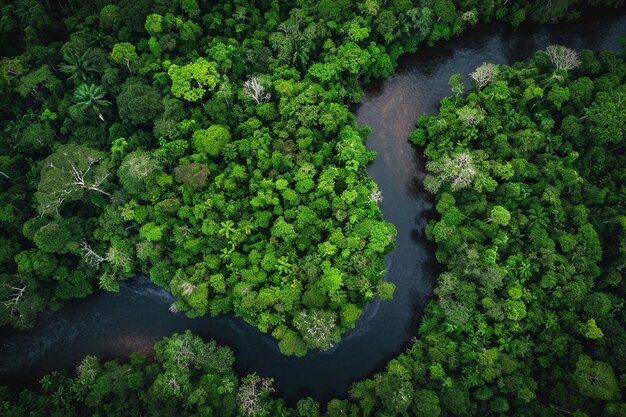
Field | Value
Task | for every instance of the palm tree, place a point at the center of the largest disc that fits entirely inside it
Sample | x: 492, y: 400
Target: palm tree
x: 92, y: 96
x: 516, y: 238
x: 78, y: 66
x: 553, y: 143
x: 300, y: 55
x: 228, y: 228
x: 538, y: 216
x: 31, y: 13
x: 525, y: 270
x: 95, y: 36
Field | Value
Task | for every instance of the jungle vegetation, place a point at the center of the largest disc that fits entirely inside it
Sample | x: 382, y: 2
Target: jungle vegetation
x: 211, y: 145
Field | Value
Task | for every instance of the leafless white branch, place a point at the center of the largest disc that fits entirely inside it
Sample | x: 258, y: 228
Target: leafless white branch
x: 14, y: 296
x: 563, y: 57
x: 90, y: 255
x: 79, y: 178
x: 484, y: 74
x: 254, y: 89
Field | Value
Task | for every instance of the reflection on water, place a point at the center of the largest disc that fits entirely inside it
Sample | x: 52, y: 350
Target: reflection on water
x: 114, y: 325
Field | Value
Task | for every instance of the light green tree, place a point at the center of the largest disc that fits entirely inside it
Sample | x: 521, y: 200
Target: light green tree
x: 500, y: 216
x: 124, y: 53
x: 212, y: 140
x: 192, y: 81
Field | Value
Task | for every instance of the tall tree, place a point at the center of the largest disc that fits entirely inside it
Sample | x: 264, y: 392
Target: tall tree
x: 91, y: 96
x: 67, y: 174
x: 77, y: 66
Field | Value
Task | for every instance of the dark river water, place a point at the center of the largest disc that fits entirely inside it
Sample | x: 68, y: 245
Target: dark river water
x: 114, y: 325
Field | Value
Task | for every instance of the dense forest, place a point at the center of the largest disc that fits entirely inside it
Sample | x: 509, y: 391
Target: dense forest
x: 527, y: 319
x: 211, y: 145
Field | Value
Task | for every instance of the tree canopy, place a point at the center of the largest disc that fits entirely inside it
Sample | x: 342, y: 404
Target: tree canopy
x: 211, y: 144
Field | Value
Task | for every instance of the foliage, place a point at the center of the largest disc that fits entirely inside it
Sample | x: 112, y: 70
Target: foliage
x: 193, y: 80
x: 527, y: 232
x: 230, y: 166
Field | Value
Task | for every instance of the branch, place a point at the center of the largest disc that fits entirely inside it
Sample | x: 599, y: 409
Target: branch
x: 254, y: 89
x: 79, y: 178
x: 90, y: 255
x: 14, y: 296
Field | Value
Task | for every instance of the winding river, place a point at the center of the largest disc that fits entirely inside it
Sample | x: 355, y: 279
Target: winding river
x: 114, y: 325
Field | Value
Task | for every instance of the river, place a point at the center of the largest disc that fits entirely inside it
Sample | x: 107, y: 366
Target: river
x: 113, y: 325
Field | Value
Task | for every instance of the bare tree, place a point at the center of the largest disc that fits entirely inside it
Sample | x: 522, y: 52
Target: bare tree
x: 484, y: 74
x: 462, y: 171
x: 90, y: 255
x: 252, y: 392
x: 317, y: 327
x: 67, y: 174
x: 458, y: 171
x: 188, y: 353
x: 19, y: 301
x: 88, y: 369
x: 254, y: 89
x: 188, y: 288
x: 13, y: 297
x: 172, y: 382
x: 563, y: 57
x: 136, y: 167
x: 376, y: 196
x: 79, y: 178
